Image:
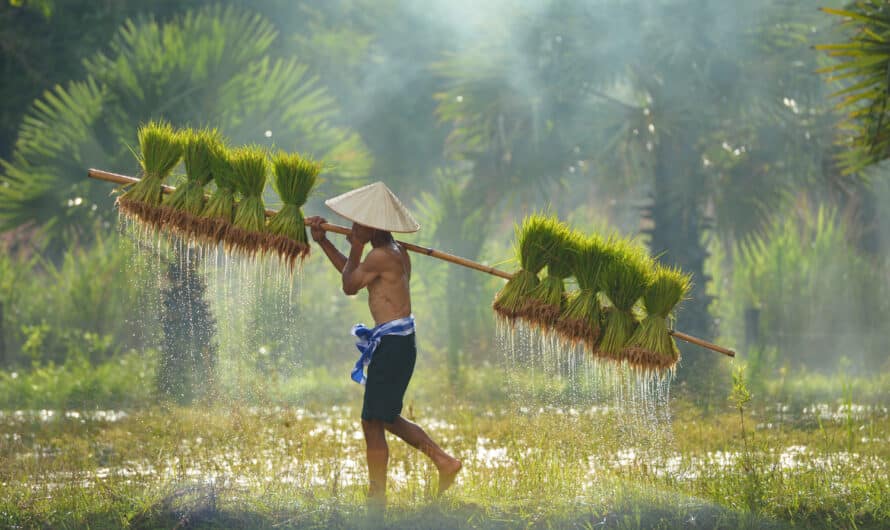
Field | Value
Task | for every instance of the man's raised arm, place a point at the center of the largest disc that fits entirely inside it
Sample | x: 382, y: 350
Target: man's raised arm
x: 337, y: 259
x: 358, y: 274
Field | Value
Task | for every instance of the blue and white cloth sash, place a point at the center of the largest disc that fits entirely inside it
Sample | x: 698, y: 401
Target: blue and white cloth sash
x: 369, y: 339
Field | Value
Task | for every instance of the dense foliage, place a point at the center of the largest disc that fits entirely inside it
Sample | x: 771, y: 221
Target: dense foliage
x: 693, y: 126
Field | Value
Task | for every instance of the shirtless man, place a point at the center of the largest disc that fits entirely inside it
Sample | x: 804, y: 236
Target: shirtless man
x: 385, y: 272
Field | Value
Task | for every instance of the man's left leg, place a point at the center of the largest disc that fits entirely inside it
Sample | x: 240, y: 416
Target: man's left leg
x: 378, y: 456
x: 416, y: 437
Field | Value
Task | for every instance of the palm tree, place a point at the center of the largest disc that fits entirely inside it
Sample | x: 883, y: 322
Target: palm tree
x: 209, y: 66
x: 717, y: 118
x: 862, y: 69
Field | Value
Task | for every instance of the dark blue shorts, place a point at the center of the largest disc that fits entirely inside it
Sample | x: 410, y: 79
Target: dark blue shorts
x: 388, y: 375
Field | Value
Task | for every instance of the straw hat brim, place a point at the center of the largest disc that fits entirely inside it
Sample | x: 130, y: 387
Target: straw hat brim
x: 375, y: 206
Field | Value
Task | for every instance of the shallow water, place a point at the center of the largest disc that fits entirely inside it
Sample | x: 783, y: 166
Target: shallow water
x: 324, y: 448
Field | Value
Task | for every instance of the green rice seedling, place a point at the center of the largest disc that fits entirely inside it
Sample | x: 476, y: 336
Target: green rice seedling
x: 182, y: 209
x: 651, y: 346
x: 581, y: 322
x: 545, y: 302
x: 247, y: 234
x: 626, y: 278
x: 532, y: 259
x: 160, y: 150
x: 219, y: 212
x: 294, y: 177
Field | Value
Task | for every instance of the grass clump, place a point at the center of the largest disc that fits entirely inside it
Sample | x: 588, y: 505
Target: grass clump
x: 160, y: 150
x: 509, y: 301
x: 626, y: 278
x: 182, y: 208
x: 247, y: 233
x: 219, y: 212
x: 581, y: 322
x: 294, y: 177
x: 651, y: 346
x: 558, y: 246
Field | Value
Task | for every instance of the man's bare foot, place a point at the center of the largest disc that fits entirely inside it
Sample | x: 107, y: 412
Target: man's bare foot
x: 376, y: 505
x: 447, y: 473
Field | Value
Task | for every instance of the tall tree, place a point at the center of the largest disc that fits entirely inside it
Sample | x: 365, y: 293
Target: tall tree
x: 190, y: 71
x: 209, y: 66
x: 707, y: 108
x: 186, y: 369
x: 42, y: 43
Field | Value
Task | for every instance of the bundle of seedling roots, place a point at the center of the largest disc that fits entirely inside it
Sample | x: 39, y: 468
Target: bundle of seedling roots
x: 220, y: 198
x: 622, y: 304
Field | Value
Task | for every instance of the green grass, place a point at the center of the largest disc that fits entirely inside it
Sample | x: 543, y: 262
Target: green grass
x: 294, y: 177
x: 230, y: 464
x: 625, y: 278
x: 546, y: 301
x: 651, y: 343
x: 250, y: 166
x: 221, y: 204
x: 199, y: 149
x: 160, y: 150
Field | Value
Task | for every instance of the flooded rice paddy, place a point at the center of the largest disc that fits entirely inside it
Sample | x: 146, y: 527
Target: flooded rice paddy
x: 543, y: 456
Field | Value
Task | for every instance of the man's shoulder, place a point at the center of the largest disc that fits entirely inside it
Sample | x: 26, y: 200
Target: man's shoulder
x: 383, y: 256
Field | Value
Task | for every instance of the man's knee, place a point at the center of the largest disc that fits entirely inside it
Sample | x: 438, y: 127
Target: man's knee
x: 374, y: 429
x: 392, y: 426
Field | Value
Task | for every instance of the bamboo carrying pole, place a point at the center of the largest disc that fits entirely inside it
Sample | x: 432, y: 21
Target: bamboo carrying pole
x: 451, y: 258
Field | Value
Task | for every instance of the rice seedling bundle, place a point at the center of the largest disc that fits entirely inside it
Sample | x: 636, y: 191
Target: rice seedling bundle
x: 545, y: 302
x: 247, y: 234
x: 294, y: 177
x: 509, y: 301
x: 651, y: 346
x: 626, y: 277
x: 160, y: 150
x: 182, y: 209
x: 219, y: 212
x: 581, y: 322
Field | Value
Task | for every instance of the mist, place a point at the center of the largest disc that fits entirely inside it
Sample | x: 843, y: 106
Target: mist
x: 708, y: 132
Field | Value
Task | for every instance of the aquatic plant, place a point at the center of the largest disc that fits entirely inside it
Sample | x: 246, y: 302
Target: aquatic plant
x: 651, y: 346
x: 294, y: 177
x: 532, y: 256
x: 160, y: 150
x: 181, y: 209
x: 626, y: 278
x: 219, y: 212
x: 581, y: 320
x: 247, y: 233
x: 545, y: 302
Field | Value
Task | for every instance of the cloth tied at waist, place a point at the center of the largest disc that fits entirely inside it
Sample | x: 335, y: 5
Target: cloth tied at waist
x: 369, y: 339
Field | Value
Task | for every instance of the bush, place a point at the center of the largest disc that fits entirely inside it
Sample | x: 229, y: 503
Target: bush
x: 818, y: 298
x: 80, y: 309
x: 124, y: 382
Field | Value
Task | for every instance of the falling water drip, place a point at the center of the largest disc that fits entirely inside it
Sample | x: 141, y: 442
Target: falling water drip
x: 542, y: 364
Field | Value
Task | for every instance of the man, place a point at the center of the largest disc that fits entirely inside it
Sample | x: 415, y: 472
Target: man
x: 389, y: 349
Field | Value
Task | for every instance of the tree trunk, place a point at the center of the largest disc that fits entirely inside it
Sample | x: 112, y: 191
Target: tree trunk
x: 188, y: 353
x: 676, y: 238
x: 456, y: 338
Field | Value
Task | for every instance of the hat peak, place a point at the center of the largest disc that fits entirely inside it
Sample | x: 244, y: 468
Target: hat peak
x: 376, y: 206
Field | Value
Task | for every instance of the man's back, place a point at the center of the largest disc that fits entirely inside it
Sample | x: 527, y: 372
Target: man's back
x: 389, y: 296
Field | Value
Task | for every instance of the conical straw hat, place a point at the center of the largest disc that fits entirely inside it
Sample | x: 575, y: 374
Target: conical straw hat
x: 376, y: 206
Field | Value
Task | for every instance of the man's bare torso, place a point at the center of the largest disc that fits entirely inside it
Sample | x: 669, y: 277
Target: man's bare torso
x: 389, y: 296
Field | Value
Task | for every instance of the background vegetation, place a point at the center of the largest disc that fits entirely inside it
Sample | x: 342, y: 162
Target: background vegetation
x: 741, y: 142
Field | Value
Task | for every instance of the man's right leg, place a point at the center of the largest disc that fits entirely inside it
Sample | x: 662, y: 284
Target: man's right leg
x: 415, y: 436
x: 378, y: 456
